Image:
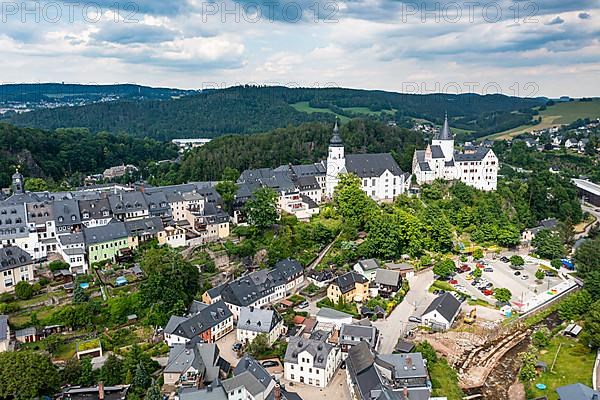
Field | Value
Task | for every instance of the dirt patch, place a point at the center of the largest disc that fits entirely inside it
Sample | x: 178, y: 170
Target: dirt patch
x: 517, y: 392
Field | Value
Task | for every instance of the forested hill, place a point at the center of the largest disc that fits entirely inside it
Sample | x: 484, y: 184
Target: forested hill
x: 67, y: 152
x: 306, y: 143
x: 61, y: 93
x: 251, y: 109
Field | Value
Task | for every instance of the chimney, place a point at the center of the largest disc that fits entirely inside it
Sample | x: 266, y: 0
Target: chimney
x: 277, y: 391
x: 100, y: 390
x: 405, y: 393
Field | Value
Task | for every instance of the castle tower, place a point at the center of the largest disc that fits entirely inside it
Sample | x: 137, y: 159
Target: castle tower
x: 445, y: 140
x: 336, y: 161
x: 18, y: 183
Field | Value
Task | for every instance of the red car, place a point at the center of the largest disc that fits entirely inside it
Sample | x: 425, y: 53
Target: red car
x: 453, y: 282
x: 488, y: 292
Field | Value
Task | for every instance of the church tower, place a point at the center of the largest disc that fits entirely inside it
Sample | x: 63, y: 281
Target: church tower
x: 18, y: 184
x: 336, y: 161
x: 445, y: 140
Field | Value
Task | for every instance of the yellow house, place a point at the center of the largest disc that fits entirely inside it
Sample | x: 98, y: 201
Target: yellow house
x: 351, y: 286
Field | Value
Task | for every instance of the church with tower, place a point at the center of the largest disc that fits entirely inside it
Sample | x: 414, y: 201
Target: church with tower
x: 381, y: 177
x: 476, y: 167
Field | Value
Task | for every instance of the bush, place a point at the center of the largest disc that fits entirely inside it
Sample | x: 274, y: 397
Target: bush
x: 23, y: 290
x: 58, y: 265
x: 478, y: 254
x: 517, y: 261
x: 556, y: 263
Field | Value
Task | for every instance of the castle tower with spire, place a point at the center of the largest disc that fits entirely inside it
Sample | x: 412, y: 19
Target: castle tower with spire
x: 336, y: 160
x: 445, y: 140
x: 18, y: 182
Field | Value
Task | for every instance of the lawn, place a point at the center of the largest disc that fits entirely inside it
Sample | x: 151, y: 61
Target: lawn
x: 303, y: 106
x: 574, y: 363
x: 365, y: 110
x: 444, y: 380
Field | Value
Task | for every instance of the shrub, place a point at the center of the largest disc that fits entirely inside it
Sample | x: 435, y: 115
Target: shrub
x: 23, y: 290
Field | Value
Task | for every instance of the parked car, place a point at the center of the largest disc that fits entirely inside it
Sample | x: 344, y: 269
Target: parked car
x: 436, y: 292
x: 236, y: 347
x: 504, y: 259
x: 269, y: 363
x: 525, y: 277
x: 550, y: 273
x: 304, y: 304
x: 517, y: 273
x: 414, y: 319
x: 488, y: 269
x: 453, y: 282
x: 488, y: 292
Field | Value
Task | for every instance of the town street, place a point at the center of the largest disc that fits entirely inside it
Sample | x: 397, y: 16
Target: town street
x: 415, y: 302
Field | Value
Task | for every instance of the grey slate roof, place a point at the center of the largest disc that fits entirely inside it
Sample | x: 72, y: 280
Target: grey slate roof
x: 346, y: 282
x: 478, y: 155
x: 405, y: 365
x: 125, y: 202
x: 336, y: 139
x: 436, y: 151
x: 424, y: 166
x: 318, y: 349
x: 207, y: 318
x: 13, y: 257
x: 66, y: 212
x: 446, y: 304
x: 388, y: 277
x: 249, y: 374
x: 352, y: 334
x: 26, y: 332
x: 577, y: 391
x: 326, y: 312
x: 445, y: 133
x: 144, y: 226
x: 368, y: 264
x: 94, y: 209
x: 100, y: 234
x: 213, y: 392
x: 371, y: 165
x: 257, y: 320
x: 182, y: 357
x: 71, y: 238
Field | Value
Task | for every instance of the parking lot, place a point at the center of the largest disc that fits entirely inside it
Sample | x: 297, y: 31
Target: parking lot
x: 523, y: 286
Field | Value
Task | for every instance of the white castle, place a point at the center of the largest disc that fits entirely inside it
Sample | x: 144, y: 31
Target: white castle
x: 477, y: 167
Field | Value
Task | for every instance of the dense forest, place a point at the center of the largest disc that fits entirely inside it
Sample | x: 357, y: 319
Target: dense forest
x: 301, y: 144
x: 252, y: 109
x: 67, y: 152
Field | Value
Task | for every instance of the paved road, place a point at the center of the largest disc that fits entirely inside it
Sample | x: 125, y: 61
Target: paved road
x: 415, y: 302
x: 591, y: 210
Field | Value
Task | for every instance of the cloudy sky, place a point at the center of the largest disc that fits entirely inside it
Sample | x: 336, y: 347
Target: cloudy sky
x: 525, y: 48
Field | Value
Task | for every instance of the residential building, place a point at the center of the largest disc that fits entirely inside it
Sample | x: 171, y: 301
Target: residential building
x: 255, y: 321
x: 388, y: 282
x: 95, y: 212
x: 250, y: 382
x: 441, y: 312
x: 142, y: 230
x: 546, y: 224
x: 367, y: 268
x: 351, y: 286
x: 320, y: 278
x: 99, y: 392
x: 209, y: 324
x: 311, y: 361
x: 194, y: 364
x: 395, y: 376
x: 15, y: 266
x: 258, y: 288
x: 353, y: 334
x: 478, y: 168
x: 71, y: 247
x: 330, y: 319
x: 104, y: 242
x: 407, y: 271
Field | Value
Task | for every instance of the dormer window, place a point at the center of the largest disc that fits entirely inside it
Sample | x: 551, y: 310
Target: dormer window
x: 73, y: 218
x: 86, y: 215
x: 61, y: 219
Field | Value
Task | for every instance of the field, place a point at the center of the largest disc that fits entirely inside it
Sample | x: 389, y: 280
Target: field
x: 558, y: 114
x: 304, y: 107
x: 574, y: 363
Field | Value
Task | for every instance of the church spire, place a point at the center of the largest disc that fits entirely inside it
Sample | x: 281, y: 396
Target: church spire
x: 445, y: 133
x: 336, y: 139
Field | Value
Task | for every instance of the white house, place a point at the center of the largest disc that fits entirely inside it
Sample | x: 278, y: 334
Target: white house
x: 210, y: 323
x: 254, y: 321
x: 15, y: 266
x: 330, y: 319
x: 477, y: 168
x: 311, y: 361
x: 250, y: 382
x: 367, y: 268
x: 441, y: 312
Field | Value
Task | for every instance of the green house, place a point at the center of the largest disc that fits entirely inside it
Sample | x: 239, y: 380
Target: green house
x: 104, y: 242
